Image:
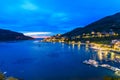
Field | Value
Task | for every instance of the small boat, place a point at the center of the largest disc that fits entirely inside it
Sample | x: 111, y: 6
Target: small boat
x: 110, y: 67
x: 117, y: 73
x: 91, y: 62
x: 105, y: 65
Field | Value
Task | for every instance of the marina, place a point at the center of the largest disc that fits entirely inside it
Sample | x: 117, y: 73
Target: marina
x: 107, y: 66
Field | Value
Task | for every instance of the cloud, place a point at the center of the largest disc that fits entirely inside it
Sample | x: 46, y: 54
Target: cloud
x: 37, y: 33
x: 29, y: 6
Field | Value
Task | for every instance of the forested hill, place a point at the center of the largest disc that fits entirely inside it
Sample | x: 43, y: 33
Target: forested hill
x: 103, y: 25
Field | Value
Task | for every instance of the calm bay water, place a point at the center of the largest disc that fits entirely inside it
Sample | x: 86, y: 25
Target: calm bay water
x: 52, y: 61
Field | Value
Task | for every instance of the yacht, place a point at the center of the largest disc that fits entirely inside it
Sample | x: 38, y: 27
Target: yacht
x: 91, y: 62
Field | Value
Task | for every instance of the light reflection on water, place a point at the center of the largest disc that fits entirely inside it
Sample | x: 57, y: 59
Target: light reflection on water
x: 54, y: 60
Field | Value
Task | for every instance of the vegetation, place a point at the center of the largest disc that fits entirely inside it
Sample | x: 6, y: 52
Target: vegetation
x: 111, y: 78
x: 3, y: 77
x: 97, y: 39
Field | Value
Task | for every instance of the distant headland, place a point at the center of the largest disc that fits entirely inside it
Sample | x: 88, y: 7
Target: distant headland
x: 7, y: 35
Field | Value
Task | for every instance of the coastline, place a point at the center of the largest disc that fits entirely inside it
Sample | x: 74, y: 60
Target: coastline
x: 93, y: 45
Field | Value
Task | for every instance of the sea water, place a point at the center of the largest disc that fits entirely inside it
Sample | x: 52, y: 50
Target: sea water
x: 31, y: 60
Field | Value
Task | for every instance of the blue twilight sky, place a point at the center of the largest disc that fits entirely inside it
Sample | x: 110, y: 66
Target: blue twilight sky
x: 53, y: 16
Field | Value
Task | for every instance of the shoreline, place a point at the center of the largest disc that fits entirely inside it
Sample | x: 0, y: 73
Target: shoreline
x: 93, y: 45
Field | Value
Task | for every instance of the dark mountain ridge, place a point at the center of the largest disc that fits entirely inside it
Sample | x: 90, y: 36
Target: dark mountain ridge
x: 103, y: 25
x: 7, y: 35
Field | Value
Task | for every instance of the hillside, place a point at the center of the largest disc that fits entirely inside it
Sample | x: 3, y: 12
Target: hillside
x: 103, y: 25
x: 73, y: 32
x: 7, y: 35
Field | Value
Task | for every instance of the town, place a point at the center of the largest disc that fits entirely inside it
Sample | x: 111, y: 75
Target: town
x: 109, y: 41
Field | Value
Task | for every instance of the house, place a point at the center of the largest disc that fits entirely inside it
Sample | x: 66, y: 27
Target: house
x: 116, y: 44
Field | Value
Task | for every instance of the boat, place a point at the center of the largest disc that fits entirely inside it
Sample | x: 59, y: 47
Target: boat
x: 105, y: 65
x: 110, y: 67
x: 117, y: 73
x: 91, y: 62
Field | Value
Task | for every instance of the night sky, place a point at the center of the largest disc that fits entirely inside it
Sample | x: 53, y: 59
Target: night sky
x: 53, y: 16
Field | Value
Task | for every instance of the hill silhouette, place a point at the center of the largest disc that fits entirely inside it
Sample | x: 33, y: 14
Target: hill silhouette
x: 105, y: 24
